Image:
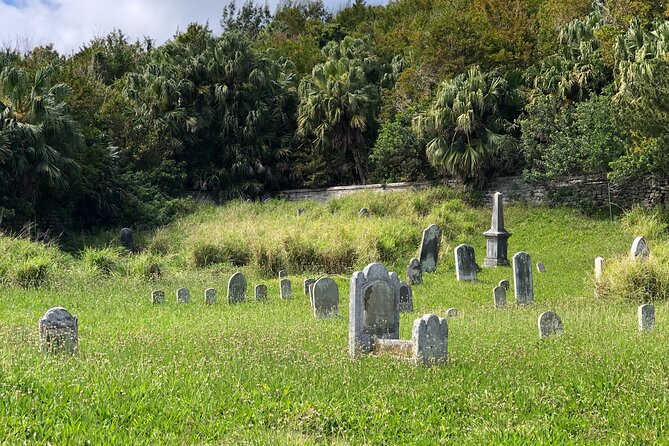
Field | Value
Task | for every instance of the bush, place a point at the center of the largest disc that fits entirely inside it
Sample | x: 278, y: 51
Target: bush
x: 106, y: 261
x: 31, y: 273
x: 636, y: 281
x: 650, y: 224
x: 229, y: 251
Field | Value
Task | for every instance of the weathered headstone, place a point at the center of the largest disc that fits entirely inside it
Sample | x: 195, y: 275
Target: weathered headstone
x: 58, y: 332
x: 363, y: 212
x: 286, y: 291
x: 301, y: 211
x: 429, y: 336
x: 646, y: 317
x: 599, y: 267
x: 374, y: 308
x: 499, y: 296
x: 429, y: 249
x: 126, y: 239
x: 325, y: 298
x: 158, y: 297
x: 639, y: 249
x: 237, y: 288
x: 183, y: 296
x: 307, y: 283
x: 541, y: 267
x: 522, y: 278
x: 505, y: 283
x: 261, y: 292
x: 465, y: 263
x: 414, y: 272
x: 549, y: 324
x: 283, y: 274
x: 452, y: 312
x: 210, y: 296
x: 406, y: 298
x: 496, y: 237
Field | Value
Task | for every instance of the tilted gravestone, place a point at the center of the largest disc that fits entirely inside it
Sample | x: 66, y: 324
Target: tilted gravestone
x: 183, y: 296
x: 522, y: 278
x: 374, y: 308
x: 541, y: 267
x: 285, y: 289
x: 261, y: 292
x: 497, y: 237
x: 325, y: 298
x: 505, y: 283
x: 639, y: 249
x: 58, y: 332
x: 429, y: 249
x: 301, y: 211
x: 499, y: 296
x: 549, y: 324
x: 307, y: 283
x: 126, y: 239
x: 465, y: 263
x: 452, y: 312
x: 363, y: 212
x: 210, y: 296
x: 429, y: 336
x: 158, y: 297
x: 237, y: 288
x: 406, y: 298
x: 599, y: 267
x: 646, y: 317
x: 414, y: 272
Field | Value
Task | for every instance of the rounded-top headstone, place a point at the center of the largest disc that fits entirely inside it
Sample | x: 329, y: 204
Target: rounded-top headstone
x: 158, y: 297
x: 414, y: 272
x: 646, y: 317
x: 505, y: 283
x: 499, y: 296
x: 210, y: 296
x: 285, y: 288
x: 237, y: 288
x: 364, y: 212
x: 452, y: 312
x: 429, y: 248
x: 58, y: 331
x: 549, y: 324
x: 183, y: 296
x: 639, y: 249
x: 261, y: 291
x: 126, y: 239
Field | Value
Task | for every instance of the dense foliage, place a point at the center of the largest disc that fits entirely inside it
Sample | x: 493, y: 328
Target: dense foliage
x: 120, y: 132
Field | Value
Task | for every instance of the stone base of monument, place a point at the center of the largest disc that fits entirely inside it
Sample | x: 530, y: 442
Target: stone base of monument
x: 428, y: 344
x: 394, y: 347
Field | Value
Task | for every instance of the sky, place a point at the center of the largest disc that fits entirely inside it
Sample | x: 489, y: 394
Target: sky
x: 70, y: 24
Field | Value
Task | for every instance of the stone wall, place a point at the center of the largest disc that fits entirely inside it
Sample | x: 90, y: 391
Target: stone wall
x: 582, y: 191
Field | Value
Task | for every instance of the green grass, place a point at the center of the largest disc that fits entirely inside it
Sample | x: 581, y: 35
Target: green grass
x: 269, y: 373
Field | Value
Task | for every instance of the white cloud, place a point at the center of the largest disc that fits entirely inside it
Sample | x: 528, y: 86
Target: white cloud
x: 70, y: 24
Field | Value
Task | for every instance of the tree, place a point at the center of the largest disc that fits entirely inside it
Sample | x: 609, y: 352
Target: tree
x: 469, y: 122
x: 338, y: 103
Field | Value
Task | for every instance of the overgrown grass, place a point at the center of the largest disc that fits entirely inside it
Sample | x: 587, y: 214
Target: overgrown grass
x: 268, y: 373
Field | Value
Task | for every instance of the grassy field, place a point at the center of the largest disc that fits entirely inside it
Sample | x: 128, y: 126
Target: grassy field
x: 268, y: 373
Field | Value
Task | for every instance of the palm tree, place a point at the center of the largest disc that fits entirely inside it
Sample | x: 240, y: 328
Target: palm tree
x: 338, y: 106
x: 40, y: 135
x: 466, y: 124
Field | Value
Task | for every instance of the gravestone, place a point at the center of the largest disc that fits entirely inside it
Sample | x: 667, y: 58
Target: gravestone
x: 639, y: 249
x: 374, y: 308
x: 541, y: 267
x: 505, y: 283
x: 406, y: 298
x: 183, y: 296
x: 283, y: 274
x: 158, y: 297
x: 307, y: 283
x: 429, y: 249
x: 499, y: 296
x: 261, y: 292
x: 496, y: 237
x: 549, y: 324
x: 325, y: 298
x: 286, y: 291
x: 646, y: 317
x: 363, y: 212
x: 429, y: 336
x: 599, y: 267
x: 301, y: 211
x: 522, y: 278
x: 414, y: 272
x: 58, y: 332
x: 452, y: 312
x: 465, y: 263
x: 126, y: 239
x: 237, y: 288
x: 210, y: 296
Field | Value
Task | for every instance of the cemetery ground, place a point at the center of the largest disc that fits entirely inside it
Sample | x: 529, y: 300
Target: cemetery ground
x: 269, y: 373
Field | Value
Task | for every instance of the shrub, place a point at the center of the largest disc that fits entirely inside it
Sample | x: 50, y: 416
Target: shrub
x: 637, y: 281
x: 650, y: 224
x: 105, y: 261
x: 31, y: 273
